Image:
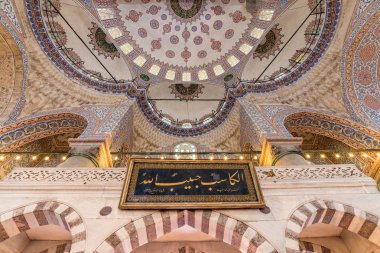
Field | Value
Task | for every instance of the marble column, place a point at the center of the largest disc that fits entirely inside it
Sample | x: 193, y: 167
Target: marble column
x: 282, y: 151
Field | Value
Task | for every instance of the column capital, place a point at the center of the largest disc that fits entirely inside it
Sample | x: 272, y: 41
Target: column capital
x: 276, y: 148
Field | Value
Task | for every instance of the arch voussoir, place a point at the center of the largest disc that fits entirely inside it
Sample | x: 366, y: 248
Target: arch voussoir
x: 153, y: 226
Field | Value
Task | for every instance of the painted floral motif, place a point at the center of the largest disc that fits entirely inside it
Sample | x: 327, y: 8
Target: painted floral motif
x: 186, y: 91
x: 156, y: 44
x: 270, y: 44
x: 153, y: 9
x: 365, y: 78
x: 216, y: 45
x: 202, y: 54
x: 167, y: 28
x: 186, y: 54
x: 237, y: 16
x: 134, y: 16
x: 57, y: 33
x: 218, y: 10
x: 101, y: 43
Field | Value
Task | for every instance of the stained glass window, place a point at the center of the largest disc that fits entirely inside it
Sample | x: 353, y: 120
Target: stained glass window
x: 185, y: 148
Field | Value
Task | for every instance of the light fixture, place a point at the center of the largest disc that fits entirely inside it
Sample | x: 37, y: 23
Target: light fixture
x: 350, y: 155
x: 255, y: 157
x: 337, y: 155
x: 34, y: 158
x: 46, y: 158
x: 225, y: 158
x: 323, y: 156
x: 162, y: 158
x: 241, y: 157
x: 378, y: 154
x: 211, y: 158
x: 18, y: 157
x: 308, y: 156
x: 64, y: 158
x: 116, y: 158
x: 365, y: 155
x: 2, y: 158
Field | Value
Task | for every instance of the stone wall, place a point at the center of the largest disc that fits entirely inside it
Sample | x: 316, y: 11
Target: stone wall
x: 94, y: 196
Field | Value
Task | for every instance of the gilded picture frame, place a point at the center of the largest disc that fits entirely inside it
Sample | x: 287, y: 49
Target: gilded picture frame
x: 141, y: 189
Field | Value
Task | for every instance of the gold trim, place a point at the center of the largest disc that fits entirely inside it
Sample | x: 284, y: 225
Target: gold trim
x: 246, y: 202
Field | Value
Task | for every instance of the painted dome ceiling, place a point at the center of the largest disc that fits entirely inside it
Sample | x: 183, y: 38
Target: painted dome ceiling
x: 186, y: 61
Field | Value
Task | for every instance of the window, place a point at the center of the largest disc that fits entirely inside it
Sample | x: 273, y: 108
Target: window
x: 185, y: 148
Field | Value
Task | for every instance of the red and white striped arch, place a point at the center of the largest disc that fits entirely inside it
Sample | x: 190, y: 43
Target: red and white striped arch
x: 340, y: 215
x: 41, y: 214
x: 148, y: 228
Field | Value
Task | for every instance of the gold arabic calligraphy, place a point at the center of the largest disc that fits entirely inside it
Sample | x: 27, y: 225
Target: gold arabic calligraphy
x: 233, y: 179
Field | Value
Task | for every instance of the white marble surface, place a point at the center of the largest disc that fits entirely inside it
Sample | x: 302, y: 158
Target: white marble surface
x: 282, y: 198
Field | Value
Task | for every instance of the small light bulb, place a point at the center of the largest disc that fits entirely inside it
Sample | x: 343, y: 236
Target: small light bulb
x: 351, y: 155
x: 211, y: 158
x: 177, y: 157
x: 365, y: 155
x: 337, y: 155
x: 2, y: 158
x: 378, y: 154
x: 34, y: 158
x: 46, y: 158
x: 255, y: 157
x: 308, y: 156
x: 241, y: 157
x: 116, y: 158
x: 194, y: 157
x: 162, y: 158
x: 18, y: 157
x: 64, y: 158
x: 225, y: 158
x: 323, y: 156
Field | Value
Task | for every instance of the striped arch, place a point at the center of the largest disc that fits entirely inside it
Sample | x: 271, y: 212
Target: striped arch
x: 314, y: 248
x: 328, y: 212
x: 148, y: 228
x: 41, y: 214
x: 346, y: 131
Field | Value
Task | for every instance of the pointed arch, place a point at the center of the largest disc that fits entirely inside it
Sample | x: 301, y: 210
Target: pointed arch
x: 144, y: 230
x: 351, y: 133
x: 42, y: 214
x: 334, y: 213
x: 17, y: 134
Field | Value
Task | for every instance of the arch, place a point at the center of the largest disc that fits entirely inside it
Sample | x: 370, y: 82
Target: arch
x: 144, y: 230
x: 330, y: 212
x: 14, y: 72
x: 41, y: 214
x: 346, y: 131
x: 312, y: 247
x: 25, y: 131
x: 92, y: 121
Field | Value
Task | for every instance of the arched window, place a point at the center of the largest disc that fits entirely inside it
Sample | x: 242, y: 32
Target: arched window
x: 185, y: 148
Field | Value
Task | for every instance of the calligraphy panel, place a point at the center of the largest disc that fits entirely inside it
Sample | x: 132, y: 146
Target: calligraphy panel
x: 186, y: 184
